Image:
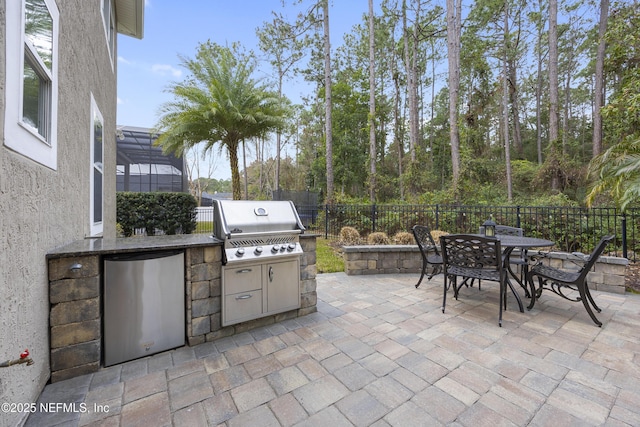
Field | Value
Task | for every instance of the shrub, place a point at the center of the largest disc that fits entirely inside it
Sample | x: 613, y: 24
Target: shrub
x: 169, y: 212
x: 436, y: 235
x: 404, y: 238
x: 378, y: 238
x: 349, y: 236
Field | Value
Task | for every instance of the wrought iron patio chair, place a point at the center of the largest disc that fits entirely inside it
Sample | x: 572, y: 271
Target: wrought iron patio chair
x: 521, y: 260
x: 429, y: 250
x: 560, y: 281
x: 471, y: 256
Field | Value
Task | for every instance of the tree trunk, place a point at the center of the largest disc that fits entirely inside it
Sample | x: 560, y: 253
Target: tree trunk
x: 328, y: 102
x: 453, y: 50
x: 539, y: 94
x: 232, y: 148
x: 244, y: 166
x: 505, y: 102
x: 410, y: 83
x: 278, y: 133
x: 372, y: 108
x: 553, y: 93
x: 599, y: 77
x: 396, y: 128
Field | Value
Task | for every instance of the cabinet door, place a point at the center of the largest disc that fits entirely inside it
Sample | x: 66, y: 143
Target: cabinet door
x: 282, y: 284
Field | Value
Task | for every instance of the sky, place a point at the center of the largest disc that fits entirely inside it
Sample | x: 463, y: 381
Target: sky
x: 146, y: 67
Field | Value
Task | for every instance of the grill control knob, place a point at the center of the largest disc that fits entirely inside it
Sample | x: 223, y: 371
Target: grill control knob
x: 240, y: 252
x: 291, y: 247
x: 275, y: 248
x: 258, y: 250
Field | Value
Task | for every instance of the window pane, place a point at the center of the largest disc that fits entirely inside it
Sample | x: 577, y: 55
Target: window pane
x: 35, y: 99
x: 97, y: 195
x: 97, y: 141
x: 39, y: 29
x: 98, y: 134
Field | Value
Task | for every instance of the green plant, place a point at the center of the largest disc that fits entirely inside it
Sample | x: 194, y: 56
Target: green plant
x: 170, y: 213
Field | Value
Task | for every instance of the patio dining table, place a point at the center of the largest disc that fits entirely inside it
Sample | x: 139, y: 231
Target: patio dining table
x: 509, y: 243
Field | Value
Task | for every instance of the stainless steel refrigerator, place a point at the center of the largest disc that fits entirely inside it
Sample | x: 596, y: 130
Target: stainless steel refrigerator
x: 144, y: 310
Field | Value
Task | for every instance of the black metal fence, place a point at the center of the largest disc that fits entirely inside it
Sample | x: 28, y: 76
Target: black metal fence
x: 572, y: 229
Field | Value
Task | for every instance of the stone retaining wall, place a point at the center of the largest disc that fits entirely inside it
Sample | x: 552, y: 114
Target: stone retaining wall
x: 608, y: 274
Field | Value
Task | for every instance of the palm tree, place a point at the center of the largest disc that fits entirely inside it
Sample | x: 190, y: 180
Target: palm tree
x: 219, y: 102
x: 617, y: 172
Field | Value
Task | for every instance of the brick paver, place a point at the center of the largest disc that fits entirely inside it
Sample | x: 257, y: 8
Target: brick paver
x: 381, y: 353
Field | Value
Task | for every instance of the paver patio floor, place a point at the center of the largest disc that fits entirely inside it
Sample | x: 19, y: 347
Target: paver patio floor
x: 381, y: 352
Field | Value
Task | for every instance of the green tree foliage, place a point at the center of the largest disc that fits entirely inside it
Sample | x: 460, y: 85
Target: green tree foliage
x: 616, y: 172
x: 422, y: 169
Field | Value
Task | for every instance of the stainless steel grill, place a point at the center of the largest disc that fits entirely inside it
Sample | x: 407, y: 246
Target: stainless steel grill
x: 257, y: 230
x: 261, y: 262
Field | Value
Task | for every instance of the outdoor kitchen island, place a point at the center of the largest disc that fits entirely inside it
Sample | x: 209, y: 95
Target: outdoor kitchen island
x: 76, y: 295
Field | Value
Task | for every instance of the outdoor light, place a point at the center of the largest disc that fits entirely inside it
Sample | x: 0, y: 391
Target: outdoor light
x: 489, y: 227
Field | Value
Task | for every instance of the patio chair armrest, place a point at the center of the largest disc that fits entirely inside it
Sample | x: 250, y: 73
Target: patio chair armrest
x: 579, y: 258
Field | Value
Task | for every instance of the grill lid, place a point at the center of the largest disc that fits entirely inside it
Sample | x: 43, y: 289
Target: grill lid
x: 239, y: 218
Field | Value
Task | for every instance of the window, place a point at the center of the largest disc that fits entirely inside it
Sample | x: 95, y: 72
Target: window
x: 109, y: 26
x: 32, y: 91
x: 96, y: 169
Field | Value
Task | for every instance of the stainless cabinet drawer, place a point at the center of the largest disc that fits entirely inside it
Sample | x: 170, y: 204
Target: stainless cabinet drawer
x: 242, y: 279
x: 242, y: 306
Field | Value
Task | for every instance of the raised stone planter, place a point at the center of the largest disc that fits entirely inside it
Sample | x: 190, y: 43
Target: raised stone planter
x: 608, y: 275
x: 381, y: 259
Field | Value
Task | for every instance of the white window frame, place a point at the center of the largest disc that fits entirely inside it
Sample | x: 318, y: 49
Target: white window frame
x: 96, y: 227
x: 18, y: 135
x: 109, y: 23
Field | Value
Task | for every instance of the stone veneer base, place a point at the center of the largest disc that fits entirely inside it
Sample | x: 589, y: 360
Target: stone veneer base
x: 76, y: 304
x: 608, y: 275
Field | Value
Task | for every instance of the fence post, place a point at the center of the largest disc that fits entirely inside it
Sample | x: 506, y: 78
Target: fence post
x: 437, y: 217
x: 518, y: 216
x: 373, y: 218
x: 624, y: 235
x: 326, y: 221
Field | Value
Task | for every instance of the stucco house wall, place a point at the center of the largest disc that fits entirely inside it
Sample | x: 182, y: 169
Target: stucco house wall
x: 42, y: 208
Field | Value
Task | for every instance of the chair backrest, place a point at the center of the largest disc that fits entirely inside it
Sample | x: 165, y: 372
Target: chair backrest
x: 504, y: 230
x: 424, y: 239
x: 471, y: 251
x: 595, y: 255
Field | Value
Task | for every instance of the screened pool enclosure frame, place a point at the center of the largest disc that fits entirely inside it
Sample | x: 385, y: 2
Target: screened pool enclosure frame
x: 142, y: 167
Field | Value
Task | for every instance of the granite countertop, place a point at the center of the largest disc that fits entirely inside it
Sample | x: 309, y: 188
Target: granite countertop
x: 100, y: 246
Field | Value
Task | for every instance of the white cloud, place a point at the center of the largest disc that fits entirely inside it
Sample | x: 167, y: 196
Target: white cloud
x: 164, y: 69
x: 120, y: 101
x: 122, y: 60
